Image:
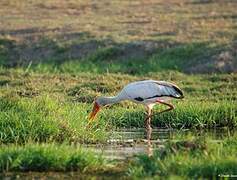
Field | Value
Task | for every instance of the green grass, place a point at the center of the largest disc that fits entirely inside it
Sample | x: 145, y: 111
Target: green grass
x: 46, y: 120
x: 55, y: 107
x: 50, y: 157
x: 187, y: 115
x: 196, y: 158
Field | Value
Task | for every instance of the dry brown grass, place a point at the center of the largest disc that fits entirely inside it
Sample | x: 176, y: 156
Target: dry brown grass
x: 183, y: 21
x: 64, y: 30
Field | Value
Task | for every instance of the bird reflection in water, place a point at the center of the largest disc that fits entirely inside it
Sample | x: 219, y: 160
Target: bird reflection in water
x: 149, y: 146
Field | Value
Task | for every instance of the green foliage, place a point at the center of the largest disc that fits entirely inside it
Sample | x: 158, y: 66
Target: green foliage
x: 44, y: 120
x: 187, y: 114
x: 49, y: 157
x: 105, y: 54
x: 198, y: 158
x: 111, y: 59
x: 180, y: 57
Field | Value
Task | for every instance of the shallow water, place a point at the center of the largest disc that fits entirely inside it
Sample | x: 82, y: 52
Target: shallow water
x: 125, y: 143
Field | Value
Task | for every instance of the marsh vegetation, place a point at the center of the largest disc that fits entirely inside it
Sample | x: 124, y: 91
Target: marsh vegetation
x: 56, y: 57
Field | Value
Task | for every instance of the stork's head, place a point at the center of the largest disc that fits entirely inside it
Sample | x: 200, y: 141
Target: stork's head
x: 98, y: 103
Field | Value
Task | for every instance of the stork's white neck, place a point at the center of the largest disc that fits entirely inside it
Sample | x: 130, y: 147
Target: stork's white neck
x: 108, y: 100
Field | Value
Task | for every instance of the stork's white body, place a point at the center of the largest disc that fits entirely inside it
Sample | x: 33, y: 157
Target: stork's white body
x: 148, y: 92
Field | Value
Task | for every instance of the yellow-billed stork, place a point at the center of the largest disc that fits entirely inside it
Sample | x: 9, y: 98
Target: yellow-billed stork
x: 147, y: 92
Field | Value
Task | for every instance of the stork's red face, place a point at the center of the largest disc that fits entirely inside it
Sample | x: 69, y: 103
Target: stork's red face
x: 95, y: 110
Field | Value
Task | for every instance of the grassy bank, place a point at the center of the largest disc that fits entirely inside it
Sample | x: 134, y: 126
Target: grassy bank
x: 55, y: 107
x: 46, y: 120
x: 49, y: 157
x: 197, y: 157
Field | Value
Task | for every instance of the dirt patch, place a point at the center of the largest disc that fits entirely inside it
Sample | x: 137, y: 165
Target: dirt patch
x: 223, y: 62
x: 28, y: 92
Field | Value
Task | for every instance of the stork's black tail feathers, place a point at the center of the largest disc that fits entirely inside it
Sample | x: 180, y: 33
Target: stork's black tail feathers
x: 179, y: 92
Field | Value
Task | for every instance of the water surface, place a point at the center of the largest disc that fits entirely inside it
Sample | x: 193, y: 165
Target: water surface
x: 125, y: 143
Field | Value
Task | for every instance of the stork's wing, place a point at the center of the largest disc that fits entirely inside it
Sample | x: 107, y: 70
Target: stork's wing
x: 143, y: 90
x: 169, y: 89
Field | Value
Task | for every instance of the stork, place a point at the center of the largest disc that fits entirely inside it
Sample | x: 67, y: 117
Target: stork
x: 147, y: 92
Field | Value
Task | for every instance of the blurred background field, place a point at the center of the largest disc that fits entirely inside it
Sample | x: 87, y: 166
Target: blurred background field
x: 133, y: 37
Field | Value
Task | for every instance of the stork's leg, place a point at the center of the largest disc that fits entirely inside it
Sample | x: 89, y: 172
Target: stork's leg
x: 167, y: 104
x: 148, y: 123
